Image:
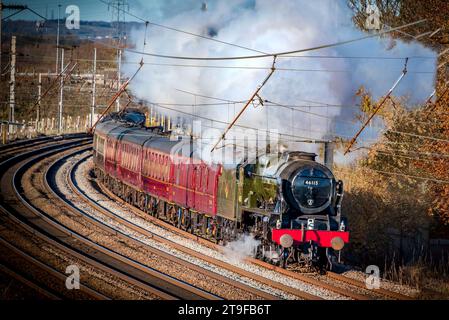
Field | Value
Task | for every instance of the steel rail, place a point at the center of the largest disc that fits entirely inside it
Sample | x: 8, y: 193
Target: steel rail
x: 360, y: 284
x: 222, y: 264
x: 173, y: 288
x: 20, y: 223
x: 54, y: 235
x: 70, y: 179
x: 211, y: 245
x: 28, y: 283
x: 295, y: 275
x: 54, y: 272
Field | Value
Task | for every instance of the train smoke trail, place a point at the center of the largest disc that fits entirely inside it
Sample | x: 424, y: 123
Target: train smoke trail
x: 272, y: 26
x: 241, y: 248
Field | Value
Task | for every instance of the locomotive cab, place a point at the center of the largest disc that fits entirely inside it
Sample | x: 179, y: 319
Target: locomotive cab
x: 305, y: 225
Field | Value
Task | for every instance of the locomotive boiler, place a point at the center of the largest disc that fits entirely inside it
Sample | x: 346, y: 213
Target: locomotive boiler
x: 288, y: 201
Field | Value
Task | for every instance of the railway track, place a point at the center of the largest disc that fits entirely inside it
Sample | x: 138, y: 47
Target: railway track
x: 38, y: 288
x: 80, y: 195
x: 337, y: 283
x: 353, y: 294
x: 21, y: 143
x: 35, y: 274
x: 387, y: 293
x: 24, y: 211
x: 45, y: 273
x: 11, y: 149
x: 21, y: 210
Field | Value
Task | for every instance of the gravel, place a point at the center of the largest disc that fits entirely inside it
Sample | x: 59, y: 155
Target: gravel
x: 384, y: 283
x: 83, y: 181
x: 60, y: 260
x: 128, y: 247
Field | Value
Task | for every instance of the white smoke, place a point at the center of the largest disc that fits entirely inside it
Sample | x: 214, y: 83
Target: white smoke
x: 271, y: 26
x: 241, y: 248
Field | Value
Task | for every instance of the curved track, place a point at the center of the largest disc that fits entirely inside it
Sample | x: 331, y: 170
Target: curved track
x: 17, y: 262
x: 30, y: 197
x: 19, y: 205
x: 337, y: 283
x: 183, y: 249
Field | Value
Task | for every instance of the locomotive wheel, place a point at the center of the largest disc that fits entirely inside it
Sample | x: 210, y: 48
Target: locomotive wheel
x: 322, y: 264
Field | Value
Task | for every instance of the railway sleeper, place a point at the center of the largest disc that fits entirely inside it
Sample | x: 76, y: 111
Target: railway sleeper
x: 216, y: 229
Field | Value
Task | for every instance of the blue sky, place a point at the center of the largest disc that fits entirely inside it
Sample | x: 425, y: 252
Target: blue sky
x: 268, y: 26
x: 95, y: 10
x: 89, y: 9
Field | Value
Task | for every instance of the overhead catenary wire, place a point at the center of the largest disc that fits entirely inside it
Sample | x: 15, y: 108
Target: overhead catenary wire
x: 25, y: 56
x: 310, y: 139
x: 147, y: 64
x: 179, y: 30
x: 354, y: 139
x: 263, y: 130
x: 255, y: 94
x: 410, y: 176
x: 116, y: 96
x: 271, y: 103
x: 227, y: 123
x: 393, y: 154
x: 55, y: 81
x: 283, y: 53
x: 440, y: 98
x: 313, y: 114
x: 295, y: 138
x: 428, y: 154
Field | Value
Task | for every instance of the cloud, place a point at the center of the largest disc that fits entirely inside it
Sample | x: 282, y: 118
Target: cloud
x: 271, y: 26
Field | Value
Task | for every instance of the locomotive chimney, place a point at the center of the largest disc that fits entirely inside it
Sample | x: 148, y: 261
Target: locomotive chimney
x: 329, y: 154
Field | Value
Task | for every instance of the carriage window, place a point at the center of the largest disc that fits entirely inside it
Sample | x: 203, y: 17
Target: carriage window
x: 125, y: 154
x: 159, y: 172
x: 156, y: 166
x: 206, y: 179
x: 151, y: 164
x: 128, y: 156
x: 160, y: 167
x: 168, y: 168
x: 163, y: 168
x: 148, y: 163
x: 133, y: 158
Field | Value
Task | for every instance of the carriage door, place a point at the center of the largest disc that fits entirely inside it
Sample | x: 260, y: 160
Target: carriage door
x: 191, y: 175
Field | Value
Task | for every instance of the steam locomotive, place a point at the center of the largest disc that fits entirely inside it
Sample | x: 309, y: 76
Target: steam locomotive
x: 288, y: 201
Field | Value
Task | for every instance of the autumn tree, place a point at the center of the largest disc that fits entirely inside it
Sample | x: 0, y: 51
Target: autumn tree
x: 415, y: 145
